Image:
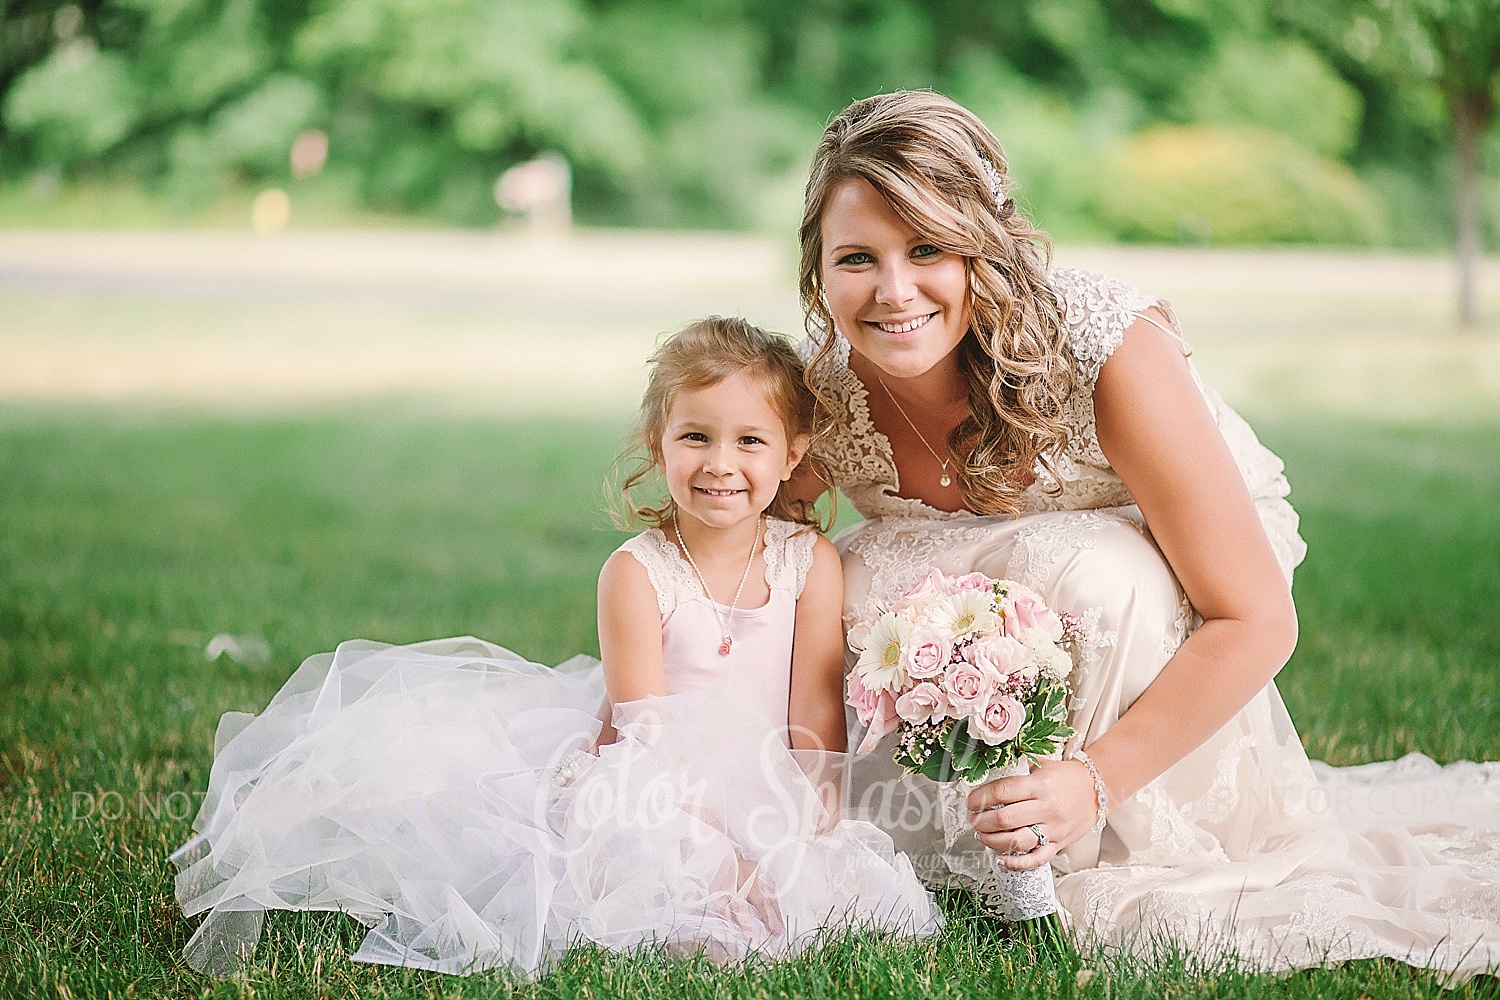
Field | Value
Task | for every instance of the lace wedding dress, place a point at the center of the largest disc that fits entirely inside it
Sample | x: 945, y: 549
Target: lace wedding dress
x: 442, y: 794
x: 1244, y: 847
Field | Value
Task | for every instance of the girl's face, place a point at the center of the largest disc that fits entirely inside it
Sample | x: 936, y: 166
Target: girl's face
x: 901, y: 302
x: 725, y: 452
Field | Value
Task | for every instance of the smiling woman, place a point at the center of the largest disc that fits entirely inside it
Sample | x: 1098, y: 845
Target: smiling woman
x: 1093, y: 465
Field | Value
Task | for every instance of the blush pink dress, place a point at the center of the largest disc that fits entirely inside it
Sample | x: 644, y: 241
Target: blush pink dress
x: 443, y: 794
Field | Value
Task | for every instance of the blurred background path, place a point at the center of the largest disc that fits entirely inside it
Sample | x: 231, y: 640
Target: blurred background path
x: 476, y: 321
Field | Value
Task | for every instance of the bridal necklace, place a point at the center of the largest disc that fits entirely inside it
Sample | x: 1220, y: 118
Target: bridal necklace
x: 944, y: 479
x: 726, y: 622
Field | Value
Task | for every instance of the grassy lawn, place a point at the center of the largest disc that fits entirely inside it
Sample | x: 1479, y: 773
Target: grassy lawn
x: 129, y: 542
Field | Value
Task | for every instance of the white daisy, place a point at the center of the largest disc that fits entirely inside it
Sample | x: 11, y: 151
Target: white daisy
x: 968, y: 612
x: 879, y: 663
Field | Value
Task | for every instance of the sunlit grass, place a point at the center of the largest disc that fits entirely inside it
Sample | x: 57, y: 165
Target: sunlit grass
x: 129, y: 543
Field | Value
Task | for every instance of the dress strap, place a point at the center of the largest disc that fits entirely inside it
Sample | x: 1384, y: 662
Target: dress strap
x: 789, y: 549
x: 670, y: 575
x: 1176, y: 335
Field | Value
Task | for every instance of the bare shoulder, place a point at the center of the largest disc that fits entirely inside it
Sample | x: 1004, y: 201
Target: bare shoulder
x: 1148, y: 362
x: 624, y: 580
x: 825, y: 578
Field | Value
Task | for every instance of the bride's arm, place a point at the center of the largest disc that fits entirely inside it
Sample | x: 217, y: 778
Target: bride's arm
x: 1159, y: 436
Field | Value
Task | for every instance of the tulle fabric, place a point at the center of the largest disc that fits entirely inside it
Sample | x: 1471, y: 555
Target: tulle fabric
x: 441, y: 794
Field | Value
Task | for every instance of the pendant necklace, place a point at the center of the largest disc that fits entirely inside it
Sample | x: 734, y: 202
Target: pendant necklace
x: 725, y: 621
x: 944, y: 479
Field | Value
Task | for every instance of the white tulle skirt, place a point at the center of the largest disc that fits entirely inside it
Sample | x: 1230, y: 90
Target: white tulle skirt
x: 443, y: 795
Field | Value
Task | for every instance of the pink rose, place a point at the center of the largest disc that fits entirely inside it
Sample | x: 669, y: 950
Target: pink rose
x: 968, y: 687
x: 1025, y: 610
x: 931, y: 585
x: 927, y: 653
x: 861, y: 699
x: 923, y: 703
x: 999, y: 721
x: 875, y: 709
x: 999, y: 653
x: 970, y: 581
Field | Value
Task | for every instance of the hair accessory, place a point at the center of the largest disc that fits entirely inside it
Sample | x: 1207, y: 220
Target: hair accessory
x: 944, y: 479
x: 997, y: 184
x: 1100, y: 794
x: 725, y: 621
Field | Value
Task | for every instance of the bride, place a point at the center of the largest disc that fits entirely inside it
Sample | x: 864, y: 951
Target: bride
x: 988, y: 412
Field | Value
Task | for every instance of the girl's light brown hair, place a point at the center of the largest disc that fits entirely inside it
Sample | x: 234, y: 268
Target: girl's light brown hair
x: 926, y: 155
x: 700, y: 355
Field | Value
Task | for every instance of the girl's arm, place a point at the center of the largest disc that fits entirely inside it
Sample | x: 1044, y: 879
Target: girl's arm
x: 1159, y: 436
x: 816, y: 709
x: 629, y: 636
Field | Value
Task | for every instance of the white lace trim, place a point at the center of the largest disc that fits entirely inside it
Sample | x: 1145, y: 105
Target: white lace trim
x: 670, y: 575
x: 787, y: 554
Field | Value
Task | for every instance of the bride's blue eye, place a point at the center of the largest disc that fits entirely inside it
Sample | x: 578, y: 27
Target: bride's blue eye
x: 856, y: 259
x: 925, y: 250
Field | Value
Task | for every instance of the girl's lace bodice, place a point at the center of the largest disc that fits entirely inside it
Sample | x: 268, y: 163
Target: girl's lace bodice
x: 788, y: 556
x: 1097, y: 311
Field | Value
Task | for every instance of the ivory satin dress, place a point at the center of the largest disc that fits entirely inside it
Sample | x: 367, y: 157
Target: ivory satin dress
x: 1244, y: 847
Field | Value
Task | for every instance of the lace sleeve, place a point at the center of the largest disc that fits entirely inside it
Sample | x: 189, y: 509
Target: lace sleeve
x: 799, y: 553
x: 1096, y: 311
x: 847, y: 447
x: 670, y: 577
x: 788, y: 555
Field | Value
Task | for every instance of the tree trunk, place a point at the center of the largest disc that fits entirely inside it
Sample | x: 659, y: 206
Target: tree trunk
x: 1471, y: 113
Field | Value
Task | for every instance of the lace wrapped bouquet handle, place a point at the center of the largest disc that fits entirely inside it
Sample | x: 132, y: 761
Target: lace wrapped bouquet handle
x: 972, y: 674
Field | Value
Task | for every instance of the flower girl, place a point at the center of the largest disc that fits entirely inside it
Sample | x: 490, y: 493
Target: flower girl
x: 476, y: 810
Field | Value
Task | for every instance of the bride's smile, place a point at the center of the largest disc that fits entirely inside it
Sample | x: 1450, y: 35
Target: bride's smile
x: 901, y: 301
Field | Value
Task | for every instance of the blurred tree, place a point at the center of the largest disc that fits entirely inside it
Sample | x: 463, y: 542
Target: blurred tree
x: 1452, y: 46
x: 686, y: 112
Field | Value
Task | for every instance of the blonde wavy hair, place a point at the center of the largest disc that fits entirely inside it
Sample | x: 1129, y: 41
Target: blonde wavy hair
x: 700, y: 355
x: 944, y: 173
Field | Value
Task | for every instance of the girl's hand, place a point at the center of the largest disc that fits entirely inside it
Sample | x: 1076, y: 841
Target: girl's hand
x: 1058, y: 796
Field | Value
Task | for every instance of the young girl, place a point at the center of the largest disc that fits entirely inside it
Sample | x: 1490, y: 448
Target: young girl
x: 475, y: 810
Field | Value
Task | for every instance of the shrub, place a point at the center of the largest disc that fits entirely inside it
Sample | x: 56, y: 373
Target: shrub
x: 1198, y: 183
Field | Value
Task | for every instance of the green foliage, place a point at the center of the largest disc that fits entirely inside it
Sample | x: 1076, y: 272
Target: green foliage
x: 1202, y: 184
x: 77, y: 105
x: 1281, y: 85
x: 704, y: 112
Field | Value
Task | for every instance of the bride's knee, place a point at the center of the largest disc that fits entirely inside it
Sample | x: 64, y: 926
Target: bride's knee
x: 1122, y: 573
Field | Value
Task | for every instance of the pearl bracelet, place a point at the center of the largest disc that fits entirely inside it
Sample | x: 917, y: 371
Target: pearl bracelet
x: 1101, y: 795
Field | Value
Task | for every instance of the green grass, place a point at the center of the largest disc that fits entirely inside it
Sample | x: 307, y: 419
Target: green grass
x: 129, y: 542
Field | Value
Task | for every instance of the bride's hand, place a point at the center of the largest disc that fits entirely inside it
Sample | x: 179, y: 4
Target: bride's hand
x: 1057, y: 796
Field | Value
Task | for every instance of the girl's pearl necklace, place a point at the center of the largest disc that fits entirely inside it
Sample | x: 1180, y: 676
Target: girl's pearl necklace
x: 725, y: 621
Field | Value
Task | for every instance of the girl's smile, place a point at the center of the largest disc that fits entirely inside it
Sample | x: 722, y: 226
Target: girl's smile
x: 725, y: 452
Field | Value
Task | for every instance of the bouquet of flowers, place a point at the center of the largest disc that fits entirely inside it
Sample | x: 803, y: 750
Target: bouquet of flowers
x: 972, y: 673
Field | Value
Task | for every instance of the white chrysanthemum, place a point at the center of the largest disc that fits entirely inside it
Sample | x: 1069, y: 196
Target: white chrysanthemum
x: 968, y: 612
x: 1053, y: 660
x: 879, y: 664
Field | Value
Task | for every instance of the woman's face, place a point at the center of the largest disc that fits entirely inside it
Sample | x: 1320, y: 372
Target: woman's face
x: 901, y: 302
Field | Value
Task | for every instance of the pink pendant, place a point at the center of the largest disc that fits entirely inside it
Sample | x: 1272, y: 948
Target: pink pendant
x: 724, y: 648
